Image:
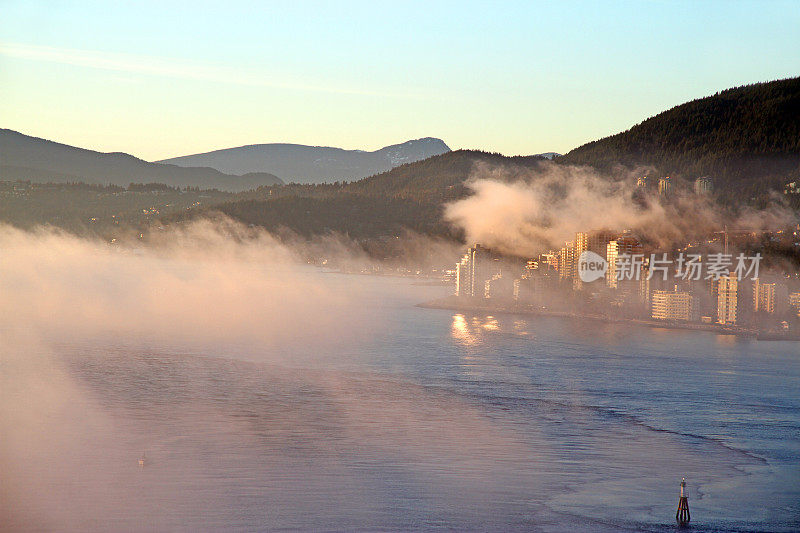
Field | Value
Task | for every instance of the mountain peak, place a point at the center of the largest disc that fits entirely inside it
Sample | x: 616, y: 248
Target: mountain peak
x: 413, y: 150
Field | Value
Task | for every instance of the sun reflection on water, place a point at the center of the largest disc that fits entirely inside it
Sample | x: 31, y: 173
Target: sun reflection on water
x: 460, y: 331
x: 491, y: 324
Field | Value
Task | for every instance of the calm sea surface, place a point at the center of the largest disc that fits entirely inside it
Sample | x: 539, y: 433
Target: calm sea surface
x: 420, y: 419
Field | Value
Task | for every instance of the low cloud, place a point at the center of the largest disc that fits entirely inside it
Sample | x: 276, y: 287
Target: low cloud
x: 208, y: 282
x: 525, y: 214
x: 108, y: 351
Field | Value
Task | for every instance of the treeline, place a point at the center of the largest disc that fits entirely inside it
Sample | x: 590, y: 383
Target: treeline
x: 408, y: 197
x: 358, y: 216
x: 441, y: 178
x: 97, y: 209
x: 25, y: 185
x: 10, y: 185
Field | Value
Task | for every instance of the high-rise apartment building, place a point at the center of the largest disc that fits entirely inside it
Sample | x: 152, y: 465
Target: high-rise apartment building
x: 764, y: 296
x: 566, y: 261
x: 594, y: 241
x: 598, y: 241
x: 474, y: 269
x: 672, y: 305
x: 464, y: 276
x: 794, y: 301
x: 727, y: 299
x: 581, y: 243
x: 665, y: 186
x: 481, y: 267
x: 624, y: 245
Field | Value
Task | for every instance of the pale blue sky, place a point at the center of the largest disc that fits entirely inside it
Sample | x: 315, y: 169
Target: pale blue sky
x: 161, y: 79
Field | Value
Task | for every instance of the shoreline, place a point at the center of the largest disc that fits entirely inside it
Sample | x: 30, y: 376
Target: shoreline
x: 453, y: 303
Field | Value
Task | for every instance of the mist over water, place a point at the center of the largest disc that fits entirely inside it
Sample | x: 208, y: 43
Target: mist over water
x: 267, y: 395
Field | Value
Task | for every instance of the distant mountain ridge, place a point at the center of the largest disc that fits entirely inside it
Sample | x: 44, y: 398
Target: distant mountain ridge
x: 408, y: 197
x: 746, y: 138
x: 23, y: 157
x: 313, y: 164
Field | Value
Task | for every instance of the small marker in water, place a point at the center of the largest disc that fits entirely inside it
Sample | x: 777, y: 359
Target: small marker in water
x: 682, y: 516
x: 142, y: 460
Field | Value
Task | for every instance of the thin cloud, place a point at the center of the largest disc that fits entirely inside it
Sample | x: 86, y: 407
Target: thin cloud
x: 172, y: 68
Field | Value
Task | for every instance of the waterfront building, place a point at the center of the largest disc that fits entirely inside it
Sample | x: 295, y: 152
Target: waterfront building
x: 644, y: 283
x: 642, y: 183
x: 548, y: 261
x: 794, y: 302
x: 624, y: 245
x: 665, y: 186
x: 764, y: 296
x: 464, y: 276
x: 531, y: 265
x: 481, y: 269
x: 703, y: 185
x: 672, y: 305
x: 598, y: 241
x: 594, y: 241
x: 612, y: 253
x: 727, y: 299
x: 475, y: 267
x: 566, y: 261
x: 581, y: 243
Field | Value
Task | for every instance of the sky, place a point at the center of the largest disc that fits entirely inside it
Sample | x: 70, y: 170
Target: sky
x: 159, y: 79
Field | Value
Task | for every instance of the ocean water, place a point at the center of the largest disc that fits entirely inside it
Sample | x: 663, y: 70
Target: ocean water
x: 420, y: 419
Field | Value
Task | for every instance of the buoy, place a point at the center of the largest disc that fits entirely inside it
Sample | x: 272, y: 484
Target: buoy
x: 142, y: 460
x: 682, y: 515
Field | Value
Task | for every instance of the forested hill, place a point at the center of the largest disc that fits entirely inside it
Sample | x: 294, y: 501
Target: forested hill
x: 407, y: 197
x: 440, y: 177
x: 747, y: 138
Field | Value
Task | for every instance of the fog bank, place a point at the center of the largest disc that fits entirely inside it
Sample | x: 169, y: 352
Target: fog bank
x: 530, y: 213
